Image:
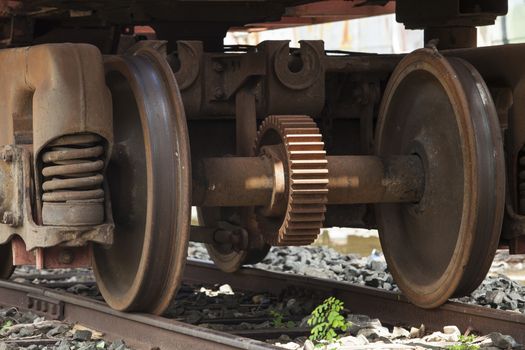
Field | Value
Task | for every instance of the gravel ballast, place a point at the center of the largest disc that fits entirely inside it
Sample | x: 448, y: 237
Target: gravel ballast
x: 497, y: 290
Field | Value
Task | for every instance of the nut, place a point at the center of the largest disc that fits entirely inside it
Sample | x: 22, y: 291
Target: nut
x: 9, y: 218
x: 7, y: 154
x: 218, y: 67
x: 66, y: 257
x: 219, y: 93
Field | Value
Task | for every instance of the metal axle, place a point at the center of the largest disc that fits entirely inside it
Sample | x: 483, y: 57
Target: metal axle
x: 254, y: 181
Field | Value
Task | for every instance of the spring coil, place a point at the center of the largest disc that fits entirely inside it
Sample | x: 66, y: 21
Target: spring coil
x: 72, y: 169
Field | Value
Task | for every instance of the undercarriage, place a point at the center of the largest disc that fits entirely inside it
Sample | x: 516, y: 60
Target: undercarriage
x: 111, y: 133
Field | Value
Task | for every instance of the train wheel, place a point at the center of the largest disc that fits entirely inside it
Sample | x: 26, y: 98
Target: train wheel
x: 150, y: 184
x: 441, y: 110
x: 224, y: 257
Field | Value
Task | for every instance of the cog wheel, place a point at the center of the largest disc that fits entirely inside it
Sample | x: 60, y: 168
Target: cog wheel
x: 296, y: 214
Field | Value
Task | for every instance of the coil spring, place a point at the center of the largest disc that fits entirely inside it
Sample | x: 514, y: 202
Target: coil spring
x: 72, y: 169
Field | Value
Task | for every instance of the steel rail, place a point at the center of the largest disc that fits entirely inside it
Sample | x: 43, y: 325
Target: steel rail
x: 140, y: 331
x: 391, y: 308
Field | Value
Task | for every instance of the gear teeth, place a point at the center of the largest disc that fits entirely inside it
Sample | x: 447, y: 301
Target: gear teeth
x: 308, y: 178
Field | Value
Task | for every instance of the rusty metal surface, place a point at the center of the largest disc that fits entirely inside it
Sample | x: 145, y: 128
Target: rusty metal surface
x: 440, y: 109
x: 234, y: 182
x: 296, y: 216
x: 391, y: 308
x: 370, y: 179
x: 284, y: 80
x: 20, y: 221
x: 142, y: 332
x: 50, y: 258
x: 228, y: 257
x: 149, y: 177
x: 38, y: 85
x: 317, y: 12
x: 210, y: 82
x: 501, y: 67
x: 245, y: 15
x: 261, y: 181
x: 72, y: 171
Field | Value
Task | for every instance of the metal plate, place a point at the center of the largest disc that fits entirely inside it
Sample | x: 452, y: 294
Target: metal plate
x: 441, y: 110
x: 150, y: 183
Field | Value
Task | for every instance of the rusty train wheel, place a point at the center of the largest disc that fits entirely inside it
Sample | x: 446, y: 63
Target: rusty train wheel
x: 150, y: 184
x: 226, y: 258
x: 441, y: 110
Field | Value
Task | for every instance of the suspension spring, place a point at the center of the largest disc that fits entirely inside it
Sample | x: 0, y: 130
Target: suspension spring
x: 72, y: 188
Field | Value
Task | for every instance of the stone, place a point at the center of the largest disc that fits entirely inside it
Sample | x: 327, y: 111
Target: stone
x: 193, y: 317
x: 373, y: 281
x: 263, y: 325
x: 63, y: 345
x: 377, y: 265
x: 226, y: 289
x: 374, y: 333
x: 503, y: 341
x: 451, y: 330
x: 284, y: 338
x: 399, y: 332
x: 119, y: 343
x: 82, y: 335
x: 304, y: 322
x: 495, y: 297
x: 358, y: 322
x: 441, y: 337
x: 414, y: 332
x: 362, y: 340
x: 291, y: 303
x: 312, y: 271
x: 258, y: 299
x: 308, y: 345
x: 289, y: 345
x: 58, y: 330
x: 351, y: 341
x: 26, y: 332
x: 87, y: 347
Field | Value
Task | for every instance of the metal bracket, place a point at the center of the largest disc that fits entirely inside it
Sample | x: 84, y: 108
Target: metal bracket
x: 44, y: 306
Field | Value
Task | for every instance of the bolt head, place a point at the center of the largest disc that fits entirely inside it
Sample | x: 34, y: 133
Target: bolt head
x: 9, y: 218
x: 219, y: 94
x: 218, y: 67
x: 65, y: 257
x: 7, y: 155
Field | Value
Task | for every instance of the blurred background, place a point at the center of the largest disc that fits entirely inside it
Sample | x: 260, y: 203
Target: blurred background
x: 382, y: 34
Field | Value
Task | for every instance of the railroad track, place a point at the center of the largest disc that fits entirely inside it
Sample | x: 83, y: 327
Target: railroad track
x: 143, y: 331
x: 390, y: 307
x: 140, y: 331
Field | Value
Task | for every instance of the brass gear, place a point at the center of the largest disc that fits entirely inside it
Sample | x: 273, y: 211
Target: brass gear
x: 296, y: 216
